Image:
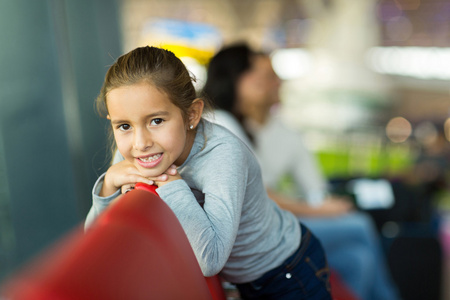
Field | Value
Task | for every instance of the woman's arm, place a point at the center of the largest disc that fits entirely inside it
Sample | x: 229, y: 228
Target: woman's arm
x: 331, y: 206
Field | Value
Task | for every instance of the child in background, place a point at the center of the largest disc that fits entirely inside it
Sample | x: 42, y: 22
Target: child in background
x: 162, y: 139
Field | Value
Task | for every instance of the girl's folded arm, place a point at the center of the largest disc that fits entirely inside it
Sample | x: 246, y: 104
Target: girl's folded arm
x: 98, y: 203
x: 211, y: 230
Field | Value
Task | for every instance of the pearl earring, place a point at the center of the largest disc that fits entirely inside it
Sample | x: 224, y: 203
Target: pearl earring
x: 191, y: 127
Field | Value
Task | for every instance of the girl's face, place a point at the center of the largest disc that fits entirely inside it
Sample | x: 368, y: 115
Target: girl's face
x: 149, y: 129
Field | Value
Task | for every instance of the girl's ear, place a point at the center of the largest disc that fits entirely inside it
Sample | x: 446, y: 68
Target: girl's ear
x: 195, y: 113
x: 108, y: 117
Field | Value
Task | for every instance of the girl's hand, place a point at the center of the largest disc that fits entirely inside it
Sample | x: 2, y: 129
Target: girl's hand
x: 169, y: 175
x: 122, y: 175
x: 125, y: 175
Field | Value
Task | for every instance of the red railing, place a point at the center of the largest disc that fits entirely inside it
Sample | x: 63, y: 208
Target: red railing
x: 136, y: 249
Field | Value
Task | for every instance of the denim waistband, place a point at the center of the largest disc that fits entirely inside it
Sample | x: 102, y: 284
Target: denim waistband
x: 294, y: 258
x: 289, y: 263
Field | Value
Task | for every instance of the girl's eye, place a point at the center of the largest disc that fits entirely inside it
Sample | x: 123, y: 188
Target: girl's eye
x: 124, y: 127
x: 156, y: 121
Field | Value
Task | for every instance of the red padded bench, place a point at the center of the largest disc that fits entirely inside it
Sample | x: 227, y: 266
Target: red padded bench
x: 136, y: 249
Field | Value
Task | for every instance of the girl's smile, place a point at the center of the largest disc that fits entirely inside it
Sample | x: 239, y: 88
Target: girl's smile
x: 150, y: 161
x: 149, y: 129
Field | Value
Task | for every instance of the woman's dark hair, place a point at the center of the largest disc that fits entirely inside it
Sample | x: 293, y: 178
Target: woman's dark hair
x: 224, y: 71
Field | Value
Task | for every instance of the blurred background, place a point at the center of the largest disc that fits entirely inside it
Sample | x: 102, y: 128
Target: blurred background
x: 367, y: 83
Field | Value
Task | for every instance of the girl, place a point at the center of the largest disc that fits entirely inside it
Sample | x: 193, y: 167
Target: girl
x: 157, y: 123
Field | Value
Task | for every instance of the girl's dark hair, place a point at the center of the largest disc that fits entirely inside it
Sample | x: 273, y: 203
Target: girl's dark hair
x: 224, y: 71
x: 160, y: 68
x: 157, y: 66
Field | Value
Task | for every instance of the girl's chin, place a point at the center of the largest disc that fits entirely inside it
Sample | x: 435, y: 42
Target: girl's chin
x: 150, y: 172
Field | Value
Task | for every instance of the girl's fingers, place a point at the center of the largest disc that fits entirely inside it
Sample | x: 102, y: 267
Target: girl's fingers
x: 130, y: 186
x: 172, y: 170
x: 132, y: 181
x: 143, y: 180
x: 166, y: 176
x: 162, y: 177
x: 126, y: 188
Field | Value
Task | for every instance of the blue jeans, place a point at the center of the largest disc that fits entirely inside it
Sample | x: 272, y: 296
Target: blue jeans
x: 304, y: 275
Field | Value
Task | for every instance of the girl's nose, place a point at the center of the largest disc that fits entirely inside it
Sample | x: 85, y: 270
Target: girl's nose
x: 142, y: 140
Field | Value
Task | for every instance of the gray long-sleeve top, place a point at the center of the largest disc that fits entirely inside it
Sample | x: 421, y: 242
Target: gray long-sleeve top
x: 239, y: 232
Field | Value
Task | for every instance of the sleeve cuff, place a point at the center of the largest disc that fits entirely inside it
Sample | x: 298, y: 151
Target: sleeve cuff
x: 172, y: 187
x: 98, y: 202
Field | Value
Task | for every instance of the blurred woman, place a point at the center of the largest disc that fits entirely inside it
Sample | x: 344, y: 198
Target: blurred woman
x: 245, y: 89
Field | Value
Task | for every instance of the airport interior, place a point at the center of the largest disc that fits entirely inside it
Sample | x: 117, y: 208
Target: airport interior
x: 366, y: 83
